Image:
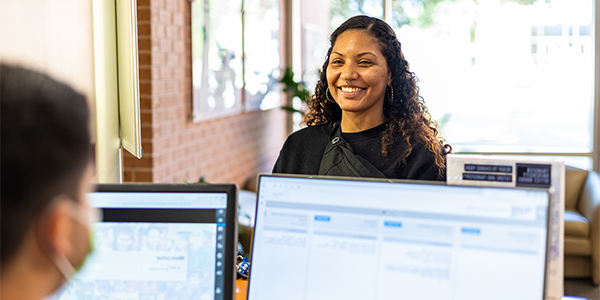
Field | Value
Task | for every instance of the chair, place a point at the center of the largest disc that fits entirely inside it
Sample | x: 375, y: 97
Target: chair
x: 582, y: 224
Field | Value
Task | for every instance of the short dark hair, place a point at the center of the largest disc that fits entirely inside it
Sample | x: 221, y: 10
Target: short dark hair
x: 45, y: 143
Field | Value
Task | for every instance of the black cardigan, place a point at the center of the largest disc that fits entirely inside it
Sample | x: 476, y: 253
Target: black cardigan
x: 303, y: 150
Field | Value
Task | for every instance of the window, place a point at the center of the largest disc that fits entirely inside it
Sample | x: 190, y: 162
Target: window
x: 216, y: 58
x: 504, y: 76
x: 261, y: 52
x: 499, y: 76
x: 235, y: 64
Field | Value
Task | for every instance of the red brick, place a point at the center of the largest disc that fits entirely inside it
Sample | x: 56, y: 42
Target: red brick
x: 143, y: 29
x: 147, y: 146
x: 127, y: 176
x: 157, y: 31
x: 157, y: 3
x: 179, y: 46
x: 146, y: 133
x: 187, y: 59
x: 143, y: 13
x: 143, y: 44
x: 178, y: 18
x: 171, y: 87
x: 143, y: 176
x: 165, y: 45
x: 164, y: 17
x: 158, y: 59
x: 164, y: 130
x: 155, y: 45
x: 179, y: 72
x: 159, y: 145
x: 171, y: 59
x: 183, y: 6
x: 171, y: 5
x: 144, y: 58
x: 133, y: 162
x: 172, y: 32
x: 158, y: 87
x: 146, y: 118
x: 145, y: 74
x: 159, y: 116
x: 145, y: 103
x: 164, y: 72
x: 154, y: 16
x: 156, y: 73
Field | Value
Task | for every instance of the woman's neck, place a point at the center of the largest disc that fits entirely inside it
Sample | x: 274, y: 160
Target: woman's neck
x: 357, y: 122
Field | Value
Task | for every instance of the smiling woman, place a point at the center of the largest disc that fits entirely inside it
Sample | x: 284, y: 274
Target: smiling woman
x: 366, y: 117
x: 357, y: 77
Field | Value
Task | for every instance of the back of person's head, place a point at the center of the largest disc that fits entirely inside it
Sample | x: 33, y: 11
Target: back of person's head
x: 45, y: 149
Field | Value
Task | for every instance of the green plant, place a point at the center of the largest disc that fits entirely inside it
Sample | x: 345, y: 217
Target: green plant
x: 443, y: 121
x: 297, y: 89
x: 201, y: 180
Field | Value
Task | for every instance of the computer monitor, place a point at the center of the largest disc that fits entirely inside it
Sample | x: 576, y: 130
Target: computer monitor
x: 160, y: 242
x: 332, y: 238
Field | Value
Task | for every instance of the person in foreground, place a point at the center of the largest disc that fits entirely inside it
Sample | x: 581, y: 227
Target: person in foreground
x: 366, y: 118
x: 45, y: 175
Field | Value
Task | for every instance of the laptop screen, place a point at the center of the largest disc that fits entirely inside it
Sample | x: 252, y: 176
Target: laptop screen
x: 318, y: 238
x: 159, y: 242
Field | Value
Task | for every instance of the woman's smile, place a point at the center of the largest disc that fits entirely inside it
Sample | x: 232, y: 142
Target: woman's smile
x: 350, y: 91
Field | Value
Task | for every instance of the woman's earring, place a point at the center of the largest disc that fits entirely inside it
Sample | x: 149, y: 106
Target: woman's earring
x: 392, y: 95
x: 327, y: 93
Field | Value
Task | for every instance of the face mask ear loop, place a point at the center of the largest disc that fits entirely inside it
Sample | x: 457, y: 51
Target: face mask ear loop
x: 63, y: 265
x: 60, y: 261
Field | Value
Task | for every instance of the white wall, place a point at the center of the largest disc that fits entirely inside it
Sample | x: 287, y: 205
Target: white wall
x: 51, y: 36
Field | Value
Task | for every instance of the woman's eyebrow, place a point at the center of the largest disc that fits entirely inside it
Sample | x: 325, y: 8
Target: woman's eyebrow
x: 360, y: 54
x: 367, y: 53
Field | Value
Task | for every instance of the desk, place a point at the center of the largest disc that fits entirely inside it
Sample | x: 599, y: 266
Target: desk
x: 241, y: 291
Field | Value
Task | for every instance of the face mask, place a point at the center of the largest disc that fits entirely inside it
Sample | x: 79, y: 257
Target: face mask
x: 85, y: 217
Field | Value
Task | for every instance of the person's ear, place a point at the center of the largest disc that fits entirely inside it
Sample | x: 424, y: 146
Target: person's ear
x: 58, y: 227
x: 389, y: 83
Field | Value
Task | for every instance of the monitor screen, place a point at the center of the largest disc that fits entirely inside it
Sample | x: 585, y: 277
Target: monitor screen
x: 161, y: 244
x: 318, y: 238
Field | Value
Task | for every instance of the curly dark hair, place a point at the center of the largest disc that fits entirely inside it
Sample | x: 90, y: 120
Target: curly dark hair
x: 406, y: 114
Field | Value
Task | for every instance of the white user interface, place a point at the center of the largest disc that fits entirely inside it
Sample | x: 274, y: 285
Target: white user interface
x: 153, y: 246
x: 343, y: 239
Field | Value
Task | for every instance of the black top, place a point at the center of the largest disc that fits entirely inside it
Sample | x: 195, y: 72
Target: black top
x: 303, y: 151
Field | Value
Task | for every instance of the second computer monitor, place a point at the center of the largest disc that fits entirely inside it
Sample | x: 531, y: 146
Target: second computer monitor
x: 327, y: 238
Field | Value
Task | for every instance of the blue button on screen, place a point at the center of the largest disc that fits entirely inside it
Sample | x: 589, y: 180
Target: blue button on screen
x: 322, y: 218
x: 471, y: 230
x: 393, y: 224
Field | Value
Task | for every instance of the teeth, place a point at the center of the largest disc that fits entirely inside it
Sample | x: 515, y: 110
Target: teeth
x: 350, y: 89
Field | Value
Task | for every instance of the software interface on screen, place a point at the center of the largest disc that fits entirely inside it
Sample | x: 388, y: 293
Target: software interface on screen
x: 154, y: 246
x: 335, y: 239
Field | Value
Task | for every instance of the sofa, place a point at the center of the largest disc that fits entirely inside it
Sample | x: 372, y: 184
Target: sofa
x: 582, y: 224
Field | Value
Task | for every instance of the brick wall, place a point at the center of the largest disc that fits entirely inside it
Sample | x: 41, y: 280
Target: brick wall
x: 229, y: 149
